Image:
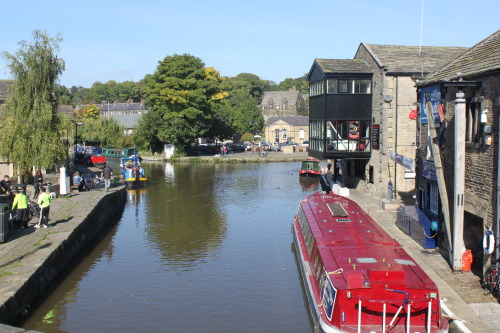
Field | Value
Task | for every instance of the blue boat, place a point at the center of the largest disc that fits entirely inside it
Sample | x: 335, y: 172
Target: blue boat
x: 132, y: 172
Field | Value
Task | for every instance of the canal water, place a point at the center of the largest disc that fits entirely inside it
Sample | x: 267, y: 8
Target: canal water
x: 205, y: 248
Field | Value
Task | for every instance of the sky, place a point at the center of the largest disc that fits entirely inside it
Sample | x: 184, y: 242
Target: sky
x: 124, y: 40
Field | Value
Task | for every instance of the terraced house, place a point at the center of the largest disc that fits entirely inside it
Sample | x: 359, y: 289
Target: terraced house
x: 458, y: 132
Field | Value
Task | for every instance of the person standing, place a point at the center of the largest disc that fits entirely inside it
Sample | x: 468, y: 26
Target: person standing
x: 107, y: 173
x: 22, y: 213
x: 37, y: 183
x: 5, y: 185
x: 44, y: 203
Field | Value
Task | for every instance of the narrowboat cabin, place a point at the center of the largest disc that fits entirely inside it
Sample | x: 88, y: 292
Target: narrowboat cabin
x: 310, y: 168
x: 356, y: 277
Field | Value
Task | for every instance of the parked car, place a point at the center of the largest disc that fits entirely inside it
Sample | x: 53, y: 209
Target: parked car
x: 305, y: 143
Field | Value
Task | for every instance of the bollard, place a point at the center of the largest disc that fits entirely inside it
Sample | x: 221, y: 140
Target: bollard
x: 63, y: 184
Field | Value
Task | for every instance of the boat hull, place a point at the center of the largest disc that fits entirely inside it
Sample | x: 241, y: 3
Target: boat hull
x: 136, y: 183
x: 353, y: 283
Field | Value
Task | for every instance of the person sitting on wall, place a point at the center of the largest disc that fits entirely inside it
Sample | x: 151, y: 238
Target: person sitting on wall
x: 77, y: 181
x: 5, y: 185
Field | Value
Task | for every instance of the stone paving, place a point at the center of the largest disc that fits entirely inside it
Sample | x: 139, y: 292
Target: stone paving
x: 25, y: 250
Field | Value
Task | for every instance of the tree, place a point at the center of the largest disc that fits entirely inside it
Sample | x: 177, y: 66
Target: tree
x: 32, y: 133
x: 88, y: 112
x: 103, y: 132
x: 184, y: 93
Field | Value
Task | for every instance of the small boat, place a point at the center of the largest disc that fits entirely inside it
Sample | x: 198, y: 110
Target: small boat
x: 356, y: 277
x: 118, y: 152
x: 90, y: 155
x: 310, y: 168
x: 132, y: 172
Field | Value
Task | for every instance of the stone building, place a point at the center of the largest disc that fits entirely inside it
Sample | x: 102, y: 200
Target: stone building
x: 6, y: 167
x: 394, y: 110
x: 126, y: 114
x: 287, y: 129
x: 465, y: 100
x: 367, y: 106
x: 282, y: 103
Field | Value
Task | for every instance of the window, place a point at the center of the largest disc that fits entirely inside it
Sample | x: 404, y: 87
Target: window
x: 271, y: 104
x: 433, y: 198
x: 316, y: 88
x: 283, y: 133
x: 301, y: 133
x: 352, y: 86
x: 473, y: 116
x: 331, y: 86
x: 277, y: 135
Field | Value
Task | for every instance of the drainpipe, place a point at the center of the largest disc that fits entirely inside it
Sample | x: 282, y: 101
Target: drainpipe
x: 497, y: 231
x: 395, y: 189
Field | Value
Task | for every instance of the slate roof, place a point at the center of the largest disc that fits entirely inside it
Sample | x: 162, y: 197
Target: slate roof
x: 4, y: 86
x: 343, y: 66
x: 130, y: 120
x: 482, y: 58
x: 292, y: 120
x: 397, y: 59
x: 121, y: 107
x: 278, y: 97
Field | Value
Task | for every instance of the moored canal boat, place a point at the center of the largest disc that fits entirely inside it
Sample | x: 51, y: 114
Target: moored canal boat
x: 132, y: 172
x: 310, y: 168
x: 356, y: 277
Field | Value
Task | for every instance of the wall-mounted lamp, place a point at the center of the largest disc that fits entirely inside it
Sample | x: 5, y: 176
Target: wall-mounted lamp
x: 484, y: 117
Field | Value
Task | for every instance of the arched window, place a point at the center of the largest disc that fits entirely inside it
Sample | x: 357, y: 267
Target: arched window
x: 285, y: 104
x: 271, y: 104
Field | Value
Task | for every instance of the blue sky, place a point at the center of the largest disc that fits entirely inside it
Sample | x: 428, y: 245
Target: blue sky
x: 274, y: 39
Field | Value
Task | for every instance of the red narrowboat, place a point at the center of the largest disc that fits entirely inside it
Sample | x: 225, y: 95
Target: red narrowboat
x: 310, y: 168
x: 356, y: 277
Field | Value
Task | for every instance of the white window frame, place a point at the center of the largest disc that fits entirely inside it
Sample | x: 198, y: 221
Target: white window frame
x: 434, y: 198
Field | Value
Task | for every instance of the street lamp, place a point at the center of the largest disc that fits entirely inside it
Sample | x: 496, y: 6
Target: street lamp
x: 76, y: 133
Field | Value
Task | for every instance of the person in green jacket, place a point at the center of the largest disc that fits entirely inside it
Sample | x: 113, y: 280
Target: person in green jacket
x: 22, y: 213
x: 44, y: 203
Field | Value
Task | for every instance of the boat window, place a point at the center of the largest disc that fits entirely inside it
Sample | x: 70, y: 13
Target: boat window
x: 404, y: 262
x: 337, y: 210
x: 366, y: 260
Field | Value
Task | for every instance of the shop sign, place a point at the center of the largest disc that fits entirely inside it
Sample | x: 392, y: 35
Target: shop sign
x: 376, y: 136
x: 429, y: 170
x: 407, y: 162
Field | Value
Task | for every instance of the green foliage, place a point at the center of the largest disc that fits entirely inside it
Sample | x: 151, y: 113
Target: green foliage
x: 183, y: 94
x: 103, y: 132
x: 88, y: 112
x: 301, y: 84
x: 32, y: 133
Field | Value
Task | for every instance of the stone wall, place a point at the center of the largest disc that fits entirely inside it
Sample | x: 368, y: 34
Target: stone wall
x: 92, y: 228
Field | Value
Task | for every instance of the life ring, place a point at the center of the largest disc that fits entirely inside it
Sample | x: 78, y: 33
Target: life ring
x: 489, y: 242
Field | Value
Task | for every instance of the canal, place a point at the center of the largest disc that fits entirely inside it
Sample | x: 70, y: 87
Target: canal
x: 205, y: 248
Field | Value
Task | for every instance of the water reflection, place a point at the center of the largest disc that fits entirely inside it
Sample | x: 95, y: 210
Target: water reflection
x: 205, y: 248
x: 184, y: 221
x: 308, y: 183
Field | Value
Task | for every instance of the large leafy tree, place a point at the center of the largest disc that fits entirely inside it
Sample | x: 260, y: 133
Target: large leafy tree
x: 184, y: 93
x: 32, y: 133
x: 103, y: 131
x: 240, y: 109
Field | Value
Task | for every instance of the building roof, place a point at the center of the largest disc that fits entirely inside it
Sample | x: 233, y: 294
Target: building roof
x: 121, y: 107
x: 482, y: 58
x: 4, y: 88
x: 130, y: 120
x: 278, y: 96
x: 343, y: 66
x: 411, y: 59
x: 292, y: 120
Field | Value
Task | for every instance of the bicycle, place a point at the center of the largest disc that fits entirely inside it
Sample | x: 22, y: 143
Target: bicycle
x: 34, y: 209
x: 491, y: 281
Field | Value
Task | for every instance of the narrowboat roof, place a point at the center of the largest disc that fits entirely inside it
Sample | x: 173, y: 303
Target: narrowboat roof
x: 356, y: 249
